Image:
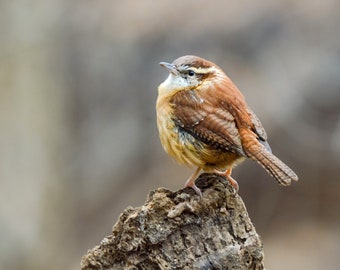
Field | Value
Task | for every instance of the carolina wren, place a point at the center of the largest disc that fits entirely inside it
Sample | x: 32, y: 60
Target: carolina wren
x: 203, y: 121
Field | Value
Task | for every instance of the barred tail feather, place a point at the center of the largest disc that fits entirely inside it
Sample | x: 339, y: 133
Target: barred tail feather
x: 274, y: 166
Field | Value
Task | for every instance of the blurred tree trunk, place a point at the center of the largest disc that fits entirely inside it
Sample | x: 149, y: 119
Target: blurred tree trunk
x: 180, y: 230
x: 35, y: 139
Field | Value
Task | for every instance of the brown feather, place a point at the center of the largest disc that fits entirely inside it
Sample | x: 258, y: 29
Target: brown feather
x: 204, y: 121
x: 197, y: 116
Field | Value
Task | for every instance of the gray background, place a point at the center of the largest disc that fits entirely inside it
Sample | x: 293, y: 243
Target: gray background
x: 78, y: 136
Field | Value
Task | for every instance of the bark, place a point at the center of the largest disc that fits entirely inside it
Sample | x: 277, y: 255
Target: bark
x: 180, y: 230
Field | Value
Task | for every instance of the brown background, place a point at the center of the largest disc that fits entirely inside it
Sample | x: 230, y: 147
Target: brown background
x: 78, y: 137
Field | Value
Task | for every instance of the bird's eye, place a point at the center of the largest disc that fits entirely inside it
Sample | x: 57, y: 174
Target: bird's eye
x: 191, y: 73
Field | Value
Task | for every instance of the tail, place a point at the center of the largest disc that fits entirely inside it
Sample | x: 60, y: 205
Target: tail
x: 274, y: 166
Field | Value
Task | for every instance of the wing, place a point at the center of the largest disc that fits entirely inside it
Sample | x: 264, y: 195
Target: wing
x: 259, y: 130
x: 213, y: 126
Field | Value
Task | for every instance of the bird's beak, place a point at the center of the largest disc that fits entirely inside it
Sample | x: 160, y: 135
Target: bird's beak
x: 170, y: 67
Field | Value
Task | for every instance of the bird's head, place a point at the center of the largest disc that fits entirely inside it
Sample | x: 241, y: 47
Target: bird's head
x: 188, y: 72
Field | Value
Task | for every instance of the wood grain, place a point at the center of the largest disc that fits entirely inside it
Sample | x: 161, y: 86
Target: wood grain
x: 180, y: 230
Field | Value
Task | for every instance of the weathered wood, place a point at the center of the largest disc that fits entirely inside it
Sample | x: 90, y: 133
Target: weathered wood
x: 180, y: 230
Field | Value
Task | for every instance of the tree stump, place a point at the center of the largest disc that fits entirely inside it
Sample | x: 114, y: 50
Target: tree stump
x: 181, y: 230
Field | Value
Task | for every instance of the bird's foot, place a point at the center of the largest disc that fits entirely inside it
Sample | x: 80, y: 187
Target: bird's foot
x: 231, y: 180
x: 191, y: 182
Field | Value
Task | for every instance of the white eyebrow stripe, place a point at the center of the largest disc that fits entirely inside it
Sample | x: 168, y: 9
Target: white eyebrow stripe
x: 203, y: 70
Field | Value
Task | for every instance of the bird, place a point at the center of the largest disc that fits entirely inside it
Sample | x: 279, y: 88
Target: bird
x: 204, y: 122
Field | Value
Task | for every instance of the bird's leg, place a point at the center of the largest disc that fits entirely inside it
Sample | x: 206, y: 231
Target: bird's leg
x: 191, y: 182
x: 231, y: 180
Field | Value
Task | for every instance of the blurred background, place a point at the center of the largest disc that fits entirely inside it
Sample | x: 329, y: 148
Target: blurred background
x: 78, y: 135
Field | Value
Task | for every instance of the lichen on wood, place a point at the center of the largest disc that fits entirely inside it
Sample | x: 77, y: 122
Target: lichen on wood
x: 180, y: 230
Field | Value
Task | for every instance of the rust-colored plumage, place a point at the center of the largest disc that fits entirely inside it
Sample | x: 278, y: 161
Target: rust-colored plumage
x: 204, y: 121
